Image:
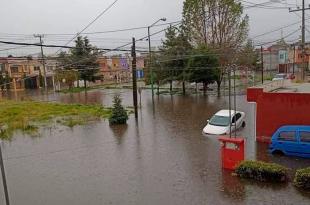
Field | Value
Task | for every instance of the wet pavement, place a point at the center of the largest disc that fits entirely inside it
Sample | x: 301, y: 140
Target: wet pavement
x: 162, y: 158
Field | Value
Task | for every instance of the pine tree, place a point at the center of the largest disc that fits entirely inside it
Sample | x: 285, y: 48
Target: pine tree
x: 119, y: 114
x: 82, y: 57
x: 203, y: 67
x: 174, y: 48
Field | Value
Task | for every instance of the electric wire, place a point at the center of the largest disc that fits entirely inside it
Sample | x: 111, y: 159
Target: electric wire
x: 93, y: 21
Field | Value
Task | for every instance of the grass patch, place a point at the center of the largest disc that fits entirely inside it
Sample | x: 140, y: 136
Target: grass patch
x: 302, y: 179
x: 262, y: 171
x: 27, y: 115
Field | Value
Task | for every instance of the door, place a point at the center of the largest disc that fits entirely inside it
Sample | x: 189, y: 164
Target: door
x: 304, y: 137
x: 287, y: 142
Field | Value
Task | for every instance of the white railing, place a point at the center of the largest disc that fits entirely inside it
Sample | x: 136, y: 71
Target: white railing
x: 276, y: 84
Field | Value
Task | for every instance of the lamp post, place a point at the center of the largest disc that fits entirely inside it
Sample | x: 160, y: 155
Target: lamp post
x: 150, y: 52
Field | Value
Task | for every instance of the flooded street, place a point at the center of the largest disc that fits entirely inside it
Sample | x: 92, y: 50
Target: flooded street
x: 162, y: 158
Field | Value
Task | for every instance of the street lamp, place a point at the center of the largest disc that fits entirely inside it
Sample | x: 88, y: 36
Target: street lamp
x: 150, y: 51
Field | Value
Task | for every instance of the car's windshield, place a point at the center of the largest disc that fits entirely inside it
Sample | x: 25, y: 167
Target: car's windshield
x: 219, y: 120
x: 280, y: 76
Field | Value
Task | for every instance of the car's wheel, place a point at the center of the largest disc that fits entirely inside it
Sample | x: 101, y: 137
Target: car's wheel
x: 243, y: 124
x: 278, y: 153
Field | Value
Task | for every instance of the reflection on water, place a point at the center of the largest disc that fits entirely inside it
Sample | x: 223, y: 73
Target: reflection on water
x: 162, y: 158
x: 119, y: 132
x: 232, y: 186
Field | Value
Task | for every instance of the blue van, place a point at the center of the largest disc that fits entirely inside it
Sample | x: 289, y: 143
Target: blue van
x: 292, y: 141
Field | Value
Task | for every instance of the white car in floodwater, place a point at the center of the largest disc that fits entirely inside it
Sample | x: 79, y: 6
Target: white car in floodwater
x: 219, y: 123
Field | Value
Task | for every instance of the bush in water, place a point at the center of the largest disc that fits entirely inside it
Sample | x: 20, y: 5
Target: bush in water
x: 262, y: 171
x: 302, y: 178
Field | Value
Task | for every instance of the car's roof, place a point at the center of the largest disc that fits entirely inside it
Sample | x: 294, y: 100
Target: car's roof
x: 294, y: 127
x: 225, y: 112
x: 280, y: 75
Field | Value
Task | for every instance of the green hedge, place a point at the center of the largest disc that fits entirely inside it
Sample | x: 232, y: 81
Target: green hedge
x: 302, y: 178
x: 262, y: 171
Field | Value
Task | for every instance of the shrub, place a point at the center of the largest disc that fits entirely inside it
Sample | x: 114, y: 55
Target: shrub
x: 119, y: 114
x: 262, y: 171
x: 302, y: 178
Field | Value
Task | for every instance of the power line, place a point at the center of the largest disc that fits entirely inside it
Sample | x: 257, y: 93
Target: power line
x: 57, y: 46
x: 28, y: 36
x: 14, y: 48
x: 119, y: 48
x: 288, y: 35
x: 117, y: 30
x: 278, y: 29
x: 262, y: 5
x: 93, y: 21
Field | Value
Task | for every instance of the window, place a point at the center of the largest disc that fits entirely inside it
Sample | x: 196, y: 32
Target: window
x: 287, y: 136
x: 14, y: 69
x: 305, y: 137
x: 217, y: 120
x: 237, y: 117
x: 36, y: 68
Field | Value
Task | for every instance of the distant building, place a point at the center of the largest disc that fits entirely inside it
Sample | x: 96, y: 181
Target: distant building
x: 275, y: 55
x: 119, y: 68
x: 26, y: 72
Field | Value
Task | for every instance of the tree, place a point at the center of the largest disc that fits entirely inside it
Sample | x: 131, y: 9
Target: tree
x: 69, y: 76
x: 173, y: 59
x: 248, y: 56
x: 5, y: 80
x: 218, y: 23
x: 203, y: 67
x: 119, y: 114
x: 82, y: 57
x: 2, y: 82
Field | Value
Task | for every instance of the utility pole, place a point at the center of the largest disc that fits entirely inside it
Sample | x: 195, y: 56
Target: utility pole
x: 150, y: 60
x: 235, y: 102
x: 40, y: 36
x: 303, y: 36
x: 5, y: 187
x: 134, y: 77
x: 262, y: 62
x: 229, y: 98
x: 294, y: 59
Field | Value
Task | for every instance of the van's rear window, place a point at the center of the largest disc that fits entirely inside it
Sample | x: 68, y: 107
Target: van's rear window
x: 305, y: 136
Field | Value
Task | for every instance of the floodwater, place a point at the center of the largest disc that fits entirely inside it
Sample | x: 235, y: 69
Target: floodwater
x: 162, y: 158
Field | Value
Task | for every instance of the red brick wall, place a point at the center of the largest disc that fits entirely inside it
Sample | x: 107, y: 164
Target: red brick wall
x: 277, y: 109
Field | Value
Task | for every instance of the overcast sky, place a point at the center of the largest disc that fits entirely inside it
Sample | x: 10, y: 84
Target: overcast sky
x: 28, y: 17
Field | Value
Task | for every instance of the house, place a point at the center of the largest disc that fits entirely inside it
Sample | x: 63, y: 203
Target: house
x: 296, y: 58
x: 140, y: 67
x: 119, y: 68
x: 276, y: 56
x: 25, y: 72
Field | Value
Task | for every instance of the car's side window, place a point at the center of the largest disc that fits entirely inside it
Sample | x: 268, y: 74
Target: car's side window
x: 304, y: 136
x: 236, y: 117
x: 287, y: 136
